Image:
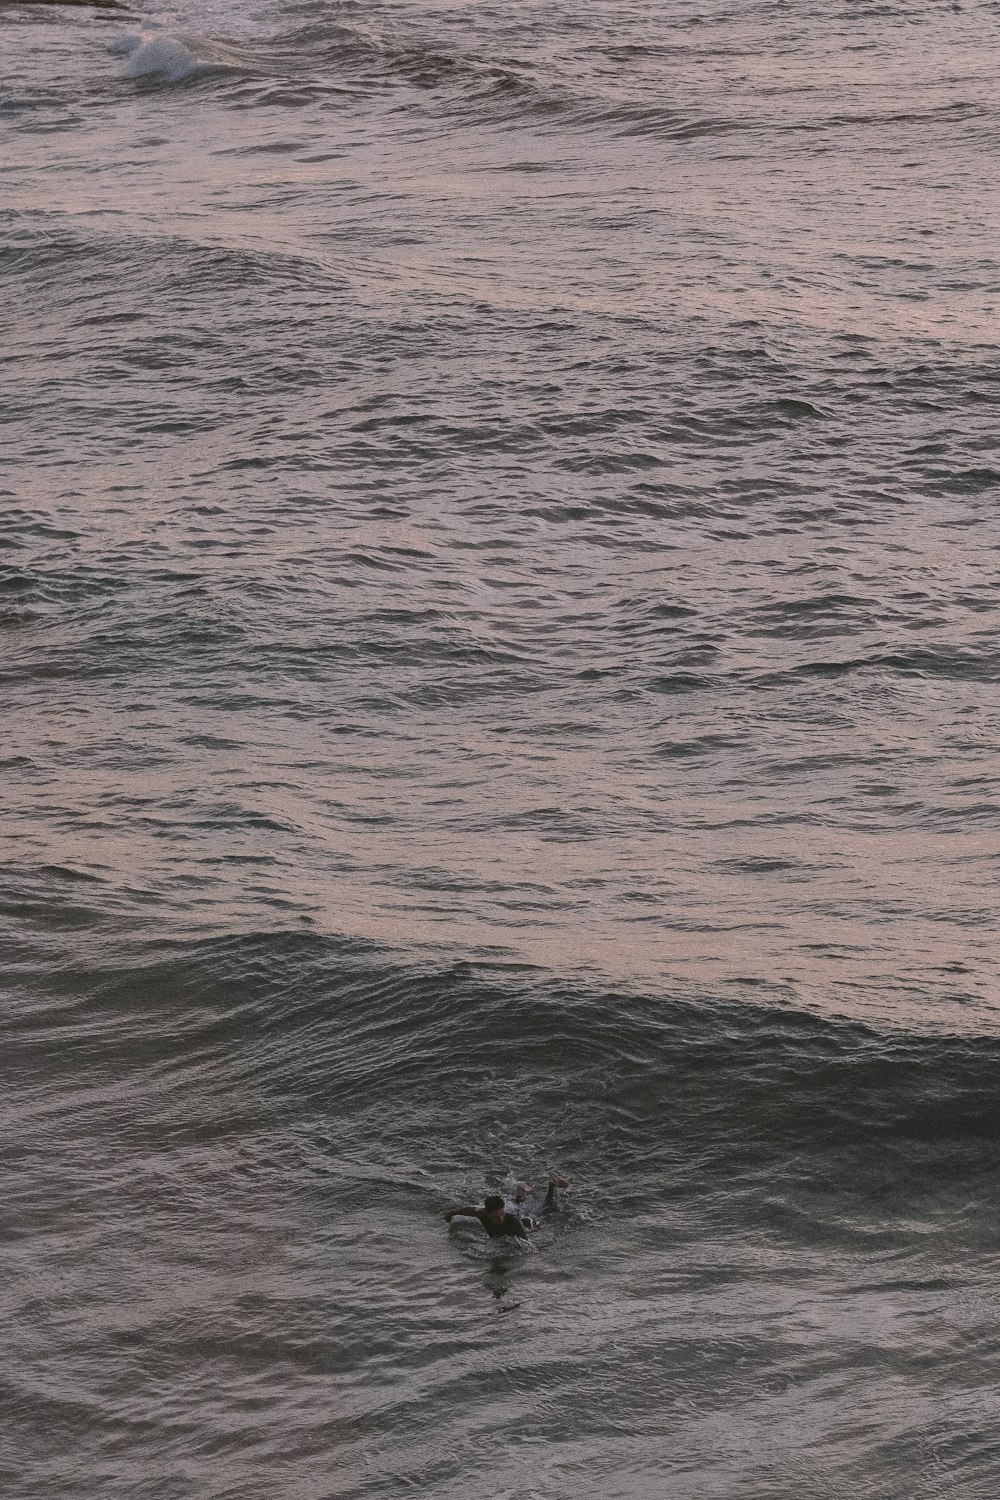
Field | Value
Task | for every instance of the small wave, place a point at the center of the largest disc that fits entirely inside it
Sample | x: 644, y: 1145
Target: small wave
x: 163, y: 56
x: 348, y: 1018
x: 172, y: 58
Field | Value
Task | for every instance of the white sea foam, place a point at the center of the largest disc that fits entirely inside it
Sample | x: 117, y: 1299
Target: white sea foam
x: 166, y: 56
x: 122, y: 45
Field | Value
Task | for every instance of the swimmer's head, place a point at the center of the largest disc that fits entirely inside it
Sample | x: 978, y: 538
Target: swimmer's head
x: 494, y: 1207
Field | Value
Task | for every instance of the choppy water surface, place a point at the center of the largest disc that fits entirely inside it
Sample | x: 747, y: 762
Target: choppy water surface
x: 499, y: 650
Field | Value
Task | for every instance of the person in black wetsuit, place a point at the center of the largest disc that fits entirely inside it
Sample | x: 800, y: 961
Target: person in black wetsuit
x: 497, y: 1219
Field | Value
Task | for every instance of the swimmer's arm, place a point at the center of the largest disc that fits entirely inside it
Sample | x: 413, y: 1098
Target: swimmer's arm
x: 468, y: 1212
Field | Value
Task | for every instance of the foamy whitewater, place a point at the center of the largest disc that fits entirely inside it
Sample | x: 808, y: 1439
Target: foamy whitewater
x: 498, y: 609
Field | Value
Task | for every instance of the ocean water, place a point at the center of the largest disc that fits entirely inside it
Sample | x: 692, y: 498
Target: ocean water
x: 499, y: 655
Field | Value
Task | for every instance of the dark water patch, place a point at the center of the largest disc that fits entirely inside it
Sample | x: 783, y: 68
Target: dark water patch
x: 954, y: 664
x: 62, y: 872
x: 703, y: 746
x: 971, y: 481
x: 322, y: 1027
x: 759, y: 864
x: 678, y: 682
x: 793, y: 407
x: 638, y: 614
x: 820, y: 614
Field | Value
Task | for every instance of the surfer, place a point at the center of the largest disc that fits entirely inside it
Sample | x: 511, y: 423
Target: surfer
x: 499, y: 1221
